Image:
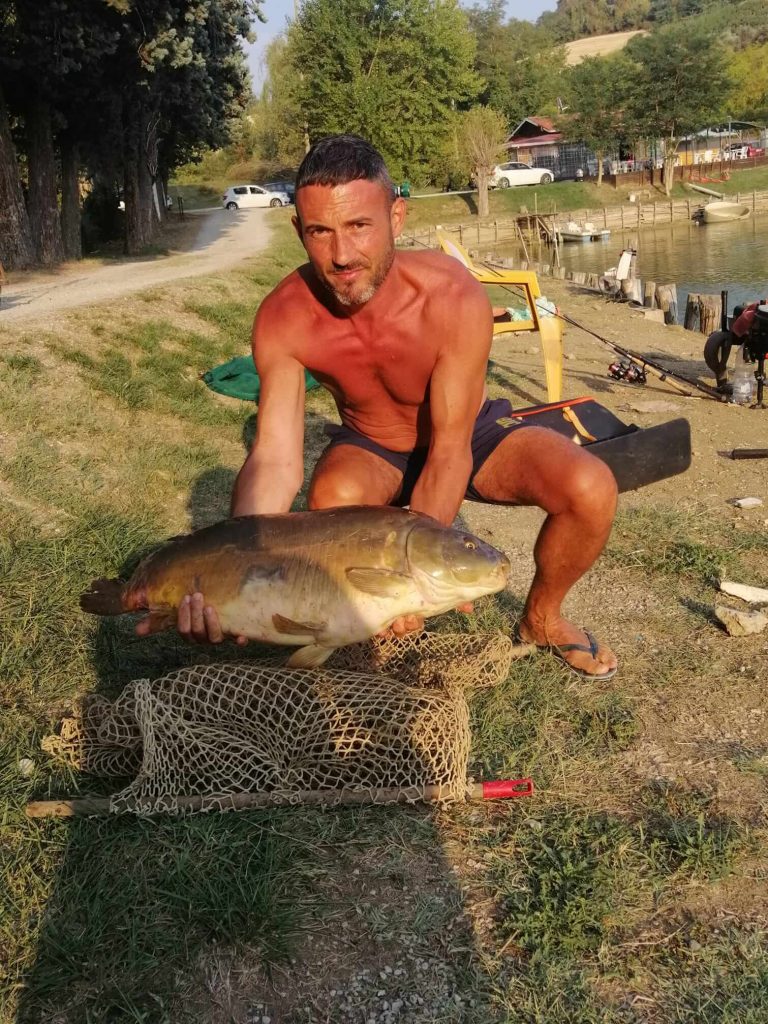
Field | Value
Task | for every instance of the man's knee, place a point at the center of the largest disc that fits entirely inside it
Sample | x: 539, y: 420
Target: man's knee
x: 590, y: 489
x: 332, y: 490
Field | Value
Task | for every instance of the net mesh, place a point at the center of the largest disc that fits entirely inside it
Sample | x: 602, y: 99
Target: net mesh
x: 385, y: 717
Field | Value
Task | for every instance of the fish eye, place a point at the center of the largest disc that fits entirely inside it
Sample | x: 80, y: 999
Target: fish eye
x: 469, y: 544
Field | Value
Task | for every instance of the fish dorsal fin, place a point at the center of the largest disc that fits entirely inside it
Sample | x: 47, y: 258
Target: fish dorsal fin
x: 292, y: 628
x: 309, y: 657
x: 378, y: 582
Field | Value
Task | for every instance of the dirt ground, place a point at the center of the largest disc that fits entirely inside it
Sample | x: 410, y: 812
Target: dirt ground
x: 205, y: 242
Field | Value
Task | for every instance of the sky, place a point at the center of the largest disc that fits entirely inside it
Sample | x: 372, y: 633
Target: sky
x: 278, y: 11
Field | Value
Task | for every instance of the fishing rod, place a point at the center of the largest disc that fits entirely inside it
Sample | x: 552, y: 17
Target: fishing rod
x: 661, y: 372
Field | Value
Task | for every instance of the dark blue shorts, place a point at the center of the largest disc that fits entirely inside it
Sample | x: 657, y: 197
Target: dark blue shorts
x: 487, y: 435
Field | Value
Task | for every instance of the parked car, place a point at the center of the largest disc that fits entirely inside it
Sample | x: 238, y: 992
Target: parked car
x: 511, y: 174
x: 243, y: 197
x: 282, y: 186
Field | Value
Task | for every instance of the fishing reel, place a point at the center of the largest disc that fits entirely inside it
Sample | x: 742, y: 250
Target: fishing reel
x: 628, y: 371
x: 756, y: 348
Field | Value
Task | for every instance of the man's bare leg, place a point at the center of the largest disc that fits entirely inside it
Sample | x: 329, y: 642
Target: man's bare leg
x: 534, y: 466
x: 348, y: 475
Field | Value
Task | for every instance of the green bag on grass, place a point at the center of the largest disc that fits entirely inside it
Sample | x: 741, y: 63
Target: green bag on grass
x: 238, y: 379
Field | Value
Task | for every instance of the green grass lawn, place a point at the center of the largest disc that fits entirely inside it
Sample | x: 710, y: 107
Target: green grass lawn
x: 610, y: 897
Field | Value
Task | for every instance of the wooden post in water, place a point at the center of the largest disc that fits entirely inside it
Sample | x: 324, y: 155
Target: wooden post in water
x: 666, y: 298
x: 649, y: 295
x: 691, y: 321
x: 710, y: 313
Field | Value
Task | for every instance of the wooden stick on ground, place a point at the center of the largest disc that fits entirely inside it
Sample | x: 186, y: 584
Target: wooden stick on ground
x: 92, y: 806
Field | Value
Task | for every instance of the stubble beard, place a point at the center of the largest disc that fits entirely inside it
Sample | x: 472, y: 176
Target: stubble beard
x: 363, y: 294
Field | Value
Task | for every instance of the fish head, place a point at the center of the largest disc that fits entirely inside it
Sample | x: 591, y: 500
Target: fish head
x: 451, y: 566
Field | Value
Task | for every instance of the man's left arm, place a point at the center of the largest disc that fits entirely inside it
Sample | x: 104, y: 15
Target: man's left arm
x: 456, y: 393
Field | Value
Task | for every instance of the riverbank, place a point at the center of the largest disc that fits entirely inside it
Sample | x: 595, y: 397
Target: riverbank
x: 643, y: 212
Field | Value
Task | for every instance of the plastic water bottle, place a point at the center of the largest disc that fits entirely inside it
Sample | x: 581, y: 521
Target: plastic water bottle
x: 743, y: 381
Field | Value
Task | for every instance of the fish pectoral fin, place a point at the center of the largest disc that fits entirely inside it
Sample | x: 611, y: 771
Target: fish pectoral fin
x: 292, y: 628
x: 378, y: 582
x: 309, y: 657
x: 162, y: 618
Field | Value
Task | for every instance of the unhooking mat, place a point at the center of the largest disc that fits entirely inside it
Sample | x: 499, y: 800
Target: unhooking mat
x: 238, y: 379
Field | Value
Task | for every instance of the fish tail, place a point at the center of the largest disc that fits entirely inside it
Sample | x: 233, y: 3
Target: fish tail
x: 103, y: 597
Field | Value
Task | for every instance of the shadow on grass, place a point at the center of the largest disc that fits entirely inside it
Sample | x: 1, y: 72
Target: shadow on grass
x: 294, y: 915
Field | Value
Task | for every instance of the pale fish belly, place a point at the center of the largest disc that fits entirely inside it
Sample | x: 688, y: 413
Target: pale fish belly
x: 273, y: 612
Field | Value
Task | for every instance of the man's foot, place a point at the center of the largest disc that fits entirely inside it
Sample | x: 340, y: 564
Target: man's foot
x: 576, y: 647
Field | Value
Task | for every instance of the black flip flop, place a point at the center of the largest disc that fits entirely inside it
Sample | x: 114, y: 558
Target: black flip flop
x: 559, y: 650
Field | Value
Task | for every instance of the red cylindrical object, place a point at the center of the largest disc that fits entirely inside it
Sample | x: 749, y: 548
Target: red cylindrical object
x: 506, y: 789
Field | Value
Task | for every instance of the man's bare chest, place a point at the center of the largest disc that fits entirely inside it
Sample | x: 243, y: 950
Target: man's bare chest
x: 395, y: 361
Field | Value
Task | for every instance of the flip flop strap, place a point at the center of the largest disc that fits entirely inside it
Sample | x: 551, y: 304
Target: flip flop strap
x: 592, y: 649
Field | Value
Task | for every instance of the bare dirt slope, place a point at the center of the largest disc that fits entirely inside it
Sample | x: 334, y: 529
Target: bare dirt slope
x: 597, y: 46
x: 219, y: 240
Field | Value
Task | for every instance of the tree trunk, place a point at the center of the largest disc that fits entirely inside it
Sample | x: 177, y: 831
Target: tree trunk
x: 135, y: 238
x: 70, y: 199
x: 16, y: 249
x: 483, y: 207
x: 669, y: 165
x: 599, y: 154
x: 43, y: 195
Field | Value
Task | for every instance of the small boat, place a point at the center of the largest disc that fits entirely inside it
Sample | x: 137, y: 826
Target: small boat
x: 719, y: 211
x: 573, y: 232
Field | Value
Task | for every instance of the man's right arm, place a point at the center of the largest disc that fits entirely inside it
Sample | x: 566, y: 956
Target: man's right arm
x: 273, y: 472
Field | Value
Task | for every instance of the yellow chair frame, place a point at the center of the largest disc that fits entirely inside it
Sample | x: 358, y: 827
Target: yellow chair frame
x: 550, y: 329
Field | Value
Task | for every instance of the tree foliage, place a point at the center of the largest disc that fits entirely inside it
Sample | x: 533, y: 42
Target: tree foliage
x: 748, y: 99
x: 390, y: 70
x: 119, y: 91
x: 679, y: 85
x: 598, y: 94
x: 520, y: 63
x: 482, y: 133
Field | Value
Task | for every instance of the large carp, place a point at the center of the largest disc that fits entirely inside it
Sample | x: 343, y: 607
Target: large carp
x: 318, y: 580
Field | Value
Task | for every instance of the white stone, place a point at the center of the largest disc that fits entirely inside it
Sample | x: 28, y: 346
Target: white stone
x: 741, y: 623
x: 26, y: 766
x: 747, y: 502
x: 752, y: 595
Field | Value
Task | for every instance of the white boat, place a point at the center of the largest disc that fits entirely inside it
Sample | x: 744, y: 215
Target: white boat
x: 715, y: 213
x: 573, y: 232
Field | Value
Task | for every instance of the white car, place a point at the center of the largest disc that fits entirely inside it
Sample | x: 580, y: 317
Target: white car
x: 243, y: 197
x: 511, y: 174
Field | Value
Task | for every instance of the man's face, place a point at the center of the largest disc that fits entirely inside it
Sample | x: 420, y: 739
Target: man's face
x: 349, y: 233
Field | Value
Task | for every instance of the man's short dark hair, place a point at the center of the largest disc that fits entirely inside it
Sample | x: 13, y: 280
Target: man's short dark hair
x: 339, y: 159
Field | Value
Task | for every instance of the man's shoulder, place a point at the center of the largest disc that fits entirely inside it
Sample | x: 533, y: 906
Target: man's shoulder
x: 439, y: 273
x: 290, y: 300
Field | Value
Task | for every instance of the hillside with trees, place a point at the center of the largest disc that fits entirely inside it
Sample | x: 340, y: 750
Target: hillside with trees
x: 107, y: 97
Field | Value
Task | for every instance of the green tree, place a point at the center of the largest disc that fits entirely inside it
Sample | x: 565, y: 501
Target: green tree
x: 390, y: 70
x: 597, y: 92
x: 482, y: 133
x: 748, y: 98
x: 520, y: 64
x: 679, y: 85
x: 280, y: 133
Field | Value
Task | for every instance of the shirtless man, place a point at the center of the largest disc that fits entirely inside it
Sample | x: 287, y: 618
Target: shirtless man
x: 401, y: 340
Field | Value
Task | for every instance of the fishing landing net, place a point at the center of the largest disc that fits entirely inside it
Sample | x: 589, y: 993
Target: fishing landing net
x: 383, y: 721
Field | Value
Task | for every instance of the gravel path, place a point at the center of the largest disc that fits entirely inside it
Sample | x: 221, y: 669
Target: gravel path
x: 223, y: 238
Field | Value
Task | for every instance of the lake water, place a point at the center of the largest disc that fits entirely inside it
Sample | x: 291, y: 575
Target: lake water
x: 706, y: 258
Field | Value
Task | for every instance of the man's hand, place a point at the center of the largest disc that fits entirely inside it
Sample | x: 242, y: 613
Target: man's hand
x: 197, y: 622
x: 413, y: 623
